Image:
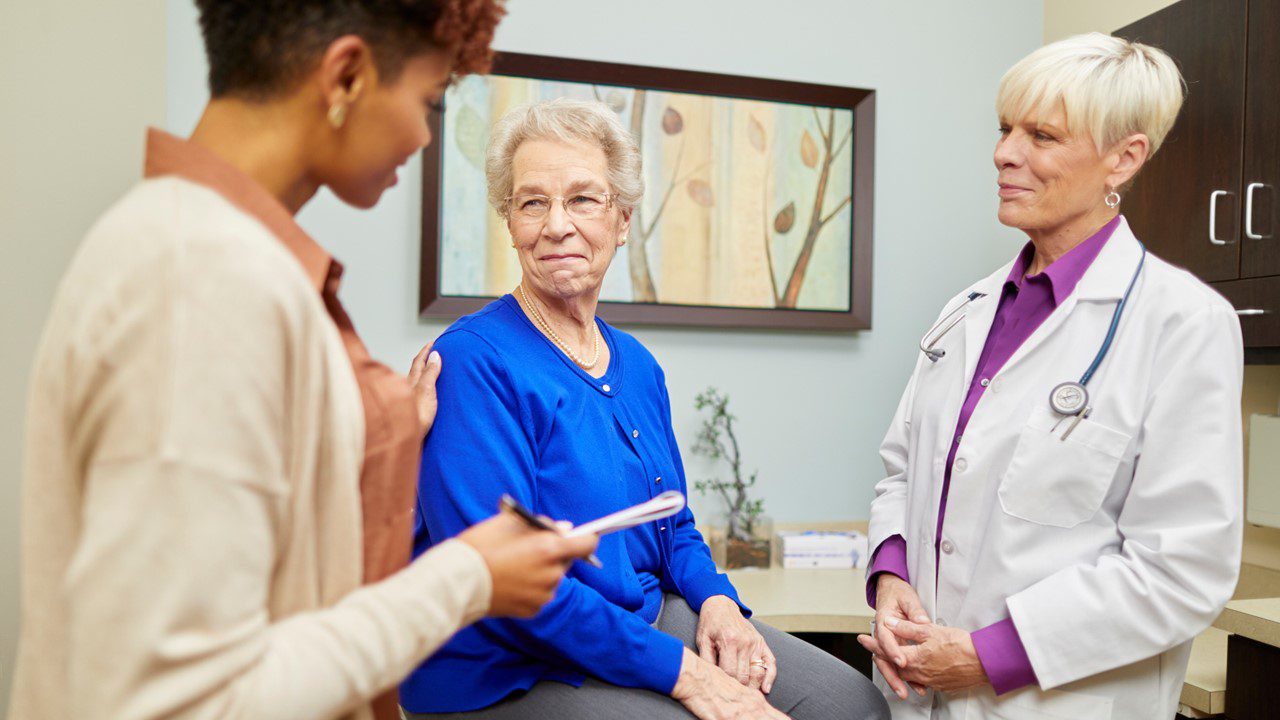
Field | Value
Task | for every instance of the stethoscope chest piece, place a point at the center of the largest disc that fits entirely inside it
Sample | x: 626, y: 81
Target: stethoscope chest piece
x: 1069, y: 398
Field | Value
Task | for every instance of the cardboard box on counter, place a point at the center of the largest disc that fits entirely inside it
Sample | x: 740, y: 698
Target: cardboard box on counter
x: 818, y: 549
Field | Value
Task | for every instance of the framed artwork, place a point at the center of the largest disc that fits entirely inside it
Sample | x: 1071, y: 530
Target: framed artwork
x: 757, y: 205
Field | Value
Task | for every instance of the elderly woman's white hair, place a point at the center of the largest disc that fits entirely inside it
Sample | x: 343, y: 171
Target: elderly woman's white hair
x: 571, y: 121
x: 1110, y: 88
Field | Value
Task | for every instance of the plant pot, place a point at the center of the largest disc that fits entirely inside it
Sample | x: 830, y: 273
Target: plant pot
x: 754, y: 550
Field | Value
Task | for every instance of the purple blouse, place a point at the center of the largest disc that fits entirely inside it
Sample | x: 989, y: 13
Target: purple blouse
x: 1025, y: 302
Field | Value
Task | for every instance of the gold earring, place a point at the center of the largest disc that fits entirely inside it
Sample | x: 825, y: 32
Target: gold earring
x: 622, y: 241
x: 337, y: 115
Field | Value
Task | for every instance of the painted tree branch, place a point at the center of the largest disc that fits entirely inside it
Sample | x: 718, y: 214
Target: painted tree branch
x: 642, y: 288
x: 840, y: 146
x: 818, y: 121
x: 645, y: 232
x: 847, y: 199
x: 768, y: 239
x: 816, y: 218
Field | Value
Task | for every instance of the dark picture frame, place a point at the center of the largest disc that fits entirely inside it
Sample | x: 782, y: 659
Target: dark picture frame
x: 434, y: 304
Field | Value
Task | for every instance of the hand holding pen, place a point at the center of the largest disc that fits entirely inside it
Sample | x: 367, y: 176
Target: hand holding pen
x: 525, y: 563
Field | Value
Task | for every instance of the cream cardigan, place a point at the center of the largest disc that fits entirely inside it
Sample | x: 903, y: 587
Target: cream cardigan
x: 191, y: 512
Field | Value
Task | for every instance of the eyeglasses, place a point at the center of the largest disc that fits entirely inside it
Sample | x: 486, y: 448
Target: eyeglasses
x: 580, y: 206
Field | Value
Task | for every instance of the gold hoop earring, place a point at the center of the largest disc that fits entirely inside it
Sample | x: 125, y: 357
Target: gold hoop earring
x: 1112, y: 200
x: 337, y: 115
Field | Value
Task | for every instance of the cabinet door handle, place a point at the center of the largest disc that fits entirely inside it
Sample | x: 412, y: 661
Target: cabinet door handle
x: 1248, y: 212
x: 1213, y: 216
x: 1249, y: 312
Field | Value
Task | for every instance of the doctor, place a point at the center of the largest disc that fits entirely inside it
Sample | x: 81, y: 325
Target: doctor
x: 1062, y: 511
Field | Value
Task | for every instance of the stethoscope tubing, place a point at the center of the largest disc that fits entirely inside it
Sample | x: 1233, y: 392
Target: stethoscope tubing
x: 954, y: 317
x: 1115, y: 321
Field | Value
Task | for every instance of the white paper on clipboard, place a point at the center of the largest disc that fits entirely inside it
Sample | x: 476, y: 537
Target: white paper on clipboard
x: 665, y: 505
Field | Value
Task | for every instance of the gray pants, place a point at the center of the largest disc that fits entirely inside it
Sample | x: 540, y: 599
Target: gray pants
x: 811, y: 685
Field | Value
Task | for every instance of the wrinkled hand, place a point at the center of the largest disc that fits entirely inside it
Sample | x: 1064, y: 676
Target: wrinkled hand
x: 710, y: 694
x: 896, y: 599
x: 942, y: 658
x: 526, y: 564
x: 727, y: 639
x: 423, y: 372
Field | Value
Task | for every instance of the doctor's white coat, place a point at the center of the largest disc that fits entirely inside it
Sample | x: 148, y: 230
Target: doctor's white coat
x: 1111, y: 549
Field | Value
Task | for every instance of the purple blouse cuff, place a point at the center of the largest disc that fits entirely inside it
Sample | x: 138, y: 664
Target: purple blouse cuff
x: 1003, y: 657
x: 890, y: 557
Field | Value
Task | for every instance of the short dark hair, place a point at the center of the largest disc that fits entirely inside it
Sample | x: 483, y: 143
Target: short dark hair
x: 261, y: 48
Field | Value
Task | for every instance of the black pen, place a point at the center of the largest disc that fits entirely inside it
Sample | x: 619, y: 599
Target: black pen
x: 514, y: 506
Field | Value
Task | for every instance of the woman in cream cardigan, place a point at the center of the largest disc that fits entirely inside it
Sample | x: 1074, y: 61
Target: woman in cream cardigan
x: 214, y: 464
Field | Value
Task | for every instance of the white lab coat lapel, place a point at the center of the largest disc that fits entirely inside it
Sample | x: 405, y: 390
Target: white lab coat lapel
x: 977, y: 321
x: 1104, y: 281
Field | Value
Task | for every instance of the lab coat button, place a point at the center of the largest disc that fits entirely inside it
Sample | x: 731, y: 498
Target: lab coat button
x: 941, y: 622
x: 635, y: 433
x: 947, y: 547
x: 985, y: 382
x: 996, y: 385
x: 962, y: 464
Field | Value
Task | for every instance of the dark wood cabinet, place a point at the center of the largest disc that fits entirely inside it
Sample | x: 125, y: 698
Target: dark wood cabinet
x: 1257, y: 301
x: 1209, y: 200
x: 1260, y: 245
x: 1195, y: 176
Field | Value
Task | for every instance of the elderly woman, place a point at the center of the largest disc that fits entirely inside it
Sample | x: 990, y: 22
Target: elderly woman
x: 542, y: 400
x: 1061, y: 514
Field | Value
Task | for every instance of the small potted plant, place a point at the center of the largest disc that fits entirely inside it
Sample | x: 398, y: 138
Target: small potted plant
x: 746, y: 531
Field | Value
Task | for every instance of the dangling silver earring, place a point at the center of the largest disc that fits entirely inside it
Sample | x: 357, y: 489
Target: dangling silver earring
x: 1112, y: 200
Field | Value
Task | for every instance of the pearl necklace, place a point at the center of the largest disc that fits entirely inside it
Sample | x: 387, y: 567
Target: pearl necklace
x: 546, y: 327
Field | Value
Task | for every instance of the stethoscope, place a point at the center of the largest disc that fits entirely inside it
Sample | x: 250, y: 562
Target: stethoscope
x: 1069, y: 398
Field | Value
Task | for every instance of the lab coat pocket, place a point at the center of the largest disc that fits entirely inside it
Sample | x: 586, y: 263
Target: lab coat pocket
x: 1057, y: 482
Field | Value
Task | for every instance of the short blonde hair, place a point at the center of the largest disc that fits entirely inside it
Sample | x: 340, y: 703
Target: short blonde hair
x: 1110, y: 88
x: 572, y: 121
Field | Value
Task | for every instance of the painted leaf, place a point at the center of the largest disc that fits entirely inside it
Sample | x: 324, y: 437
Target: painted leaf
x: 469, y: 134
x: 808, y: 150
x: 701, y: 193
x: 615, y: 101
x: 786, y: 218
x: 755, y: 133
x: 672, y: 123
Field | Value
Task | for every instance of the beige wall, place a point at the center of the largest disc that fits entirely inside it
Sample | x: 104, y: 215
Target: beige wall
x: 81, y: 79
x: 1063, y: 18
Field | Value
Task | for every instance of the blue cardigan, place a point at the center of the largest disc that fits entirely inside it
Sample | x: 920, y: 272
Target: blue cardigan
x: 517, y: 416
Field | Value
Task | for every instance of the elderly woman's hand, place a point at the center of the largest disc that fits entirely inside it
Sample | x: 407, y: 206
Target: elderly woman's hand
x: 709, y: 693
x: 422, y: 380
x: 942, y: 658
x: 727, y: 639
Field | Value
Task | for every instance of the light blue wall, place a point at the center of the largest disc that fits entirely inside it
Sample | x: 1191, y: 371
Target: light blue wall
x: 812, y: 407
